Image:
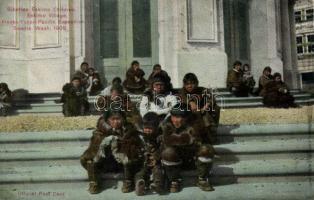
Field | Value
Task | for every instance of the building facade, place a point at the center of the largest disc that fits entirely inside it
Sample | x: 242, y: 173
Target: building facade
x: 200, y: 36
x: 304, y: 20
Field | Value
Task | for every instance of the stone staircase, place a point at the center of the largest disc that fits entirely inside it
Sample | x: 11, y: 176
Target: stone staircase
x: 46, y: 103
x: 262, y: 161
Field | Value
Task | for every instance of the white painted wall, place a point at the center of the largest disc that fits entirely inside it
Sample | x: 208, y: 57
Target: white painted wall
x: 201, y: 50
x: 264, y: 49
x: 39, y: 61
x: 207, y: 59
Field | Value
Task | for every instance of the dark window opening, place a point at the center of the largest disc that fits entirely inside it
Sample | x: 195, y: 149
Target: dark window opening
x: 307, y: 77
x: 141, y: 28
x: 309, y: 15
x: 297, y: 16
x: 310, y: 40
x: 109, y: 29
x: 299, y: 40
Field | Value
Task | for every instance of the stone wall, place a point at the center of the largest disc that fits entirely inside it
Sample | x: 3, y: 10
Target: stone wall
x: 189, y: 38
x: 39, y: 56
x: 188, y: 43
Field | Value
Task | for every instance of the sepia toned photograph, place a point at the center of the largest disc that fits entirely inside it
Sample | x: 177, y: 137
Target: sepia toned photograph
x: 157, y: 99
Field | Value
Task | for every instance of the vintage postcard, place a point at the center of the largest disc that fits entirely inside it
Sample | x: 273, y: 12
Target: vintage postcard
x: 156, y: 99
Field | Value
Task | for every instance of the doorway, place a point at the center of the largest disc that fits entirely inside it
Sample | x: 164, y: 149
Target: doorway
x: 237, y: 34
x: 128, y: 31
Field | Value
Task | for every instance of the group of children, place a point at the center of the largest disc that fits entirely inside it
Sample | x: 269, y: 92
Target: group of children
x: 87, y: 81
x: 173, y: 130
x: 240, y: 81
x: 167, y: 131
x: 84, y: 82
x: 274, y: 91
x: 135, y: 82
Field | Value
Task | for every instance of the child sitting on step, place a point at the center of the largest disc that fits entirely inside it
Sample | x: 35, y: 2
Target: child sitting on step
x: 5, y: 99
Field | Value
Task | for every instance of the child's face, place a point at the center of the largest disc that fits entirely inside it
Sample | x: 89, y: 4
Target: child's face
x: 177, y: 121
x: 76, y: 83
x: 84, y: 67
x: 148, y: 131
x: 189, y: 86
x: 246, y: 68
x: 115, y: 121
x: 158, y: 87
x: 237, y: 67
x: 277, y: 78
x: 267, y: 73
x: 90, y: 71
x: 136, y: 66
x: 114, y: 93
x: 157, y: 70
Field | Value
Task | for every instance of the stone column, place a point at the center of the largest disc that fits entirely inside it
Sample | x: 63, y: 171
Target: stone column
x: 92, y: 37
x: 295, y: 77
x: 76, y: 34
x: 263, y: 36
x: 290, y: 72
x: 89, y: 30
x: 168, y: 36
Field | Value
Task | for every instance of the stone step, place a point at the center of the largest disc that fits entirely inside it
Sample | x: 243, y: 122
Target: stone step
x: 223, y: 155
x: 39, y: 110
x: 74, y: 137
x: 37, y: 99
x: 227, y: 139
x: 266, y: 146
x: 225, y: 102
x: 275, y: 190
x: 72, y: 150
x: 241, y: 130
x: 260, y: 104
x: 221, y: 159
x: 215, y: 90
x: 229, y: 94
x: 71, y: 170
x: 49, y: 136
x: 226, y: 97
x: 220, y: 139
x: 33, y: 105
x: 266, y: 129
x: 57, y: 108
x: 50, y: 100
x: 257, y: 98
x: 225, y: 90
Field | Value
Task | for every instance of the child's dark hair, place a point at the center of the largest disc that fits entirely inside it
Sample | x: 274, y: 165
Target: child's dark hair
x: 134, y: 62
x: 4, y: 86
x: 76, y: 78
x: 237, y: 63
x: 84, y: 63
x: 246, y: 65
x: 156, y: 66
x: 116, y: 80
x: 277, y: 74
x: 267, y: 69
x: 118, y: 88
x: 190, y: 77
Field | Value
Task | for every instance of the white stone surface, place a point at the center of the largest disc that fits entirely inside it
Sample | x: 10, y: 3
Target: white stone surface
x: 41, y: 62
x: 179, y: 56
x: 48, y: 66
x: 283, y: 190
x: 263, y: 37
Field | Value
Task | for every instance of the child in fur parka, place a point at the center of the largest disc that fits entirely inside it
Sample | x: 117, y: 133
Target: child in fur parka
x: 183, y: 149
